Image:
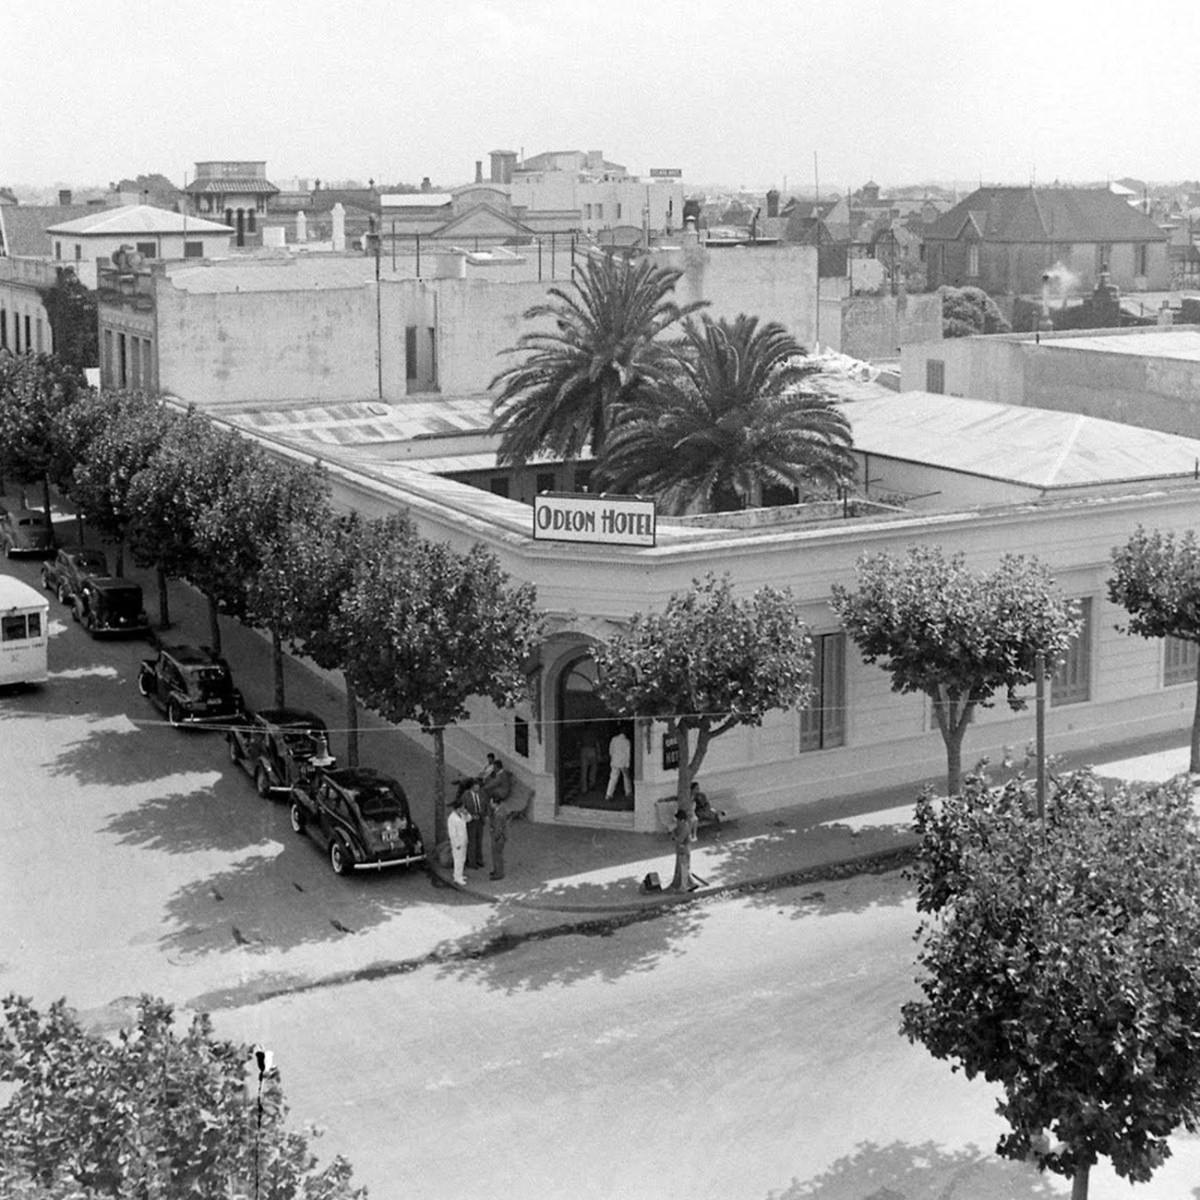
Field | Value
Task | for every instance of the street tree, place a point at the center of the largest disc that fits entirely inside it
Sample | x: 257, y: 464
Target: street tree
x: 956, y: 635
x: 595, y: 346
x: 71, y: 310
x: 709, y: 661
x: 1062, y: 963
x: 1156, y: 579
x: 245, y: 534
x: 34, y: 390
x: 317, y: 565
x: 739, y: 410
x: 132, y: 429
x: 435, y: 627
x: 151, y: 1112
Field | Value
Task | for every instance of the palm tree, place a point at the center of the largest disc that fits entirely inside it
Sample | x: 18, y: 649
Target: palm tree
x: 602, y: 352
x: 737, y: 413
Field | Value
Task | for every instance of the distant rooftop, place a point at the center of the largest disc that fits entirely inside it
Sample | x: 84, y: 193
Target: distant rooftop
x: 136, y: 219
x: 1036, y: 447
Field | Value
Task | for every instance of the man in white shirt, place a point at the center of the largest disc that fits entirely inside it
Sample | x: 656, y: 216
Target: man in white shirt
x: 456, y: 826
x: 620, y: 755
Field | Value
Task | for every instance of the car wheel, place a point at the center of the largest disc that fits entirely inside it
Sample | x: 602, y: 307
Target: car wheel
x: 297, y: 815
x: 64, y: 594
x: 235, y: 751
x: 76, y: 614
x: 262, y: 783
x: 144, y: 684
x: 339, y: 857
x: 175, y: 714
x: 45, y: 581
x: 89, y: 622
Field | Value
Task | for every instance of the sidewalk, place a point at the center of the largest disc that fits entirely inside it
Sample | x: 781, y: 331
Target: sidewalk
x: 571, y: 870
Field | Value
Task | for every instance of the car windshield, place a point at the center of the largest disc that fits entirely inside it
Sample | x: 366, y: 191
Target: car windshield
x: 121, y: 600
x: 95, y: 563
x: 379, y: 803
x: 38, y: 520
x: 300, y: 741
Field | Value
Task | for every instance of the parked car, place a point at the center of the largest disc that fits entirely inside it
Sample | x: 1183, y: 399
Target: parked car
x: 25, y: 531
x: 105, y: 604
x: 276, y: 746
x: 359, y: 817
x: 63, y: 574
x: 192, y: 685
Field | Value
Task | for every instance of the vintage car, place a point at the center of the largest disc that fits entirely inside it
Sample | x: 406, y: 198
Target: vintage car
x: 359, y: 817
x: 25, y: 531
x: 63, y: 574
x: 192, y: 685
x: 105, y: 604
x: 275, y: 746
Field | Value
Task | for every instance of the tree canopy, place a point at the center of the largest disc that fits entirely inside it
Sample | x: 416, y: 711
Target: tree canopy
x: 708, y: 661
x: 1156, y: 579
x: 738, y: 410
x: 956, y: 635
x: 148, y: 1113
x: 1062, y: 962
x: 970, y: 310
x: 595, y: 347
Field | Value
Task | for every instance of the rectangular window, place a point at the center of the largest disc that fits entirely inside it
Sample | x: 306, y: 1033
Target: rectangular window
x: 599, y: 212
x: 1103, y: 256
x: 58, y: 249
x: 28, y: 333
x: 17, y: 332
x: 1072, y: 683
x: 587, y: 212
x: 973, y: 259
x: 823, y: 721
x: 410, y: 352
x: 14, y: 628
x: 78, y: 252
x: 3, y: 328
x: 108, y: 358
x: 193, y: 249
x: 135, y: 363
x: 499, y: 485
x: 1180, y: 658
x: 37, y: 328
x: 935, y: 375
x: 618, y: 210
x: 1140, y: 259
x: 521, y: 736
x: 147, y: 249
x: 147, y: 369
x: 122, y: 361
x: 544, y: 482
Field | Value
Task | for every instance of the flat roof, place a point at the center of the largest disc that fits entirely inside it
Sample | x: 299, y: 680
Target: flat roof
x: 1037, y: 447
x: 369, y: 422
x: 1179, y: 343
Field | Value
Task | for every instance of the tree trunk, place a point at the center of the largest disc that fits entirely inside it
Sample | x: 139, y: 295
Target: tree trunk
x: 1079, y: 1184
x: 46, y: 495
x: 1194, y: 757
x: 692, y: 768
x: 351, y: 724
x: 79, y: 527
x: 164, y: 605
x: 440, y: 831
x: 214, y: 625
x: 952, y: 722
x: 277, y: 667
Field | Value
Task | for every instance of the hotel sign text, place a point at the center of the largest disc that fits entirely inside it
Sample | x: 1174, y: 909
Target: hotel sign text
x: 613, y: 520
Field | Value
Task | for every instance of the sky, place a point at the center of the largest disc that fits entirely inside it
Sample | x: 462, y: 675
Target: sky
x: 755, y: 94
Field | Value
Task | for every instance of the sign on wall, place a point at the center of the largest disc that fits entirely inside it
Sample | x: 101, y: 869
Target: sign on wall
x: 666, y: 172
x: 575, y: 517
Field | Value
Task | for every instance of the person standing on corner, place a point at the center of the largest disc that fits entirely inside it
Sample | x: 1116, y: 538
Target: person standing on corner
x: 456, y: 827
x: 497, y: 788
x: 475, y: 806
x: 682, y: 834
x: 620, y: 755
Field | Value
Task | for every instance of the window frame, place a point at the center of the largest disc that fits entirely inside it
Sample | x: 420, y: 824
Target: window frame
x: 1072, y: 683
x: 823, y: 723
x: 1180, y: 661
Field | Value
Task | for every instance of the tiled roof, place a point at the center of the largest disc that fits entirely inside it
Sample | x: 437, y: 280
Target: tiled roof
x: 245, y: 186
x: 1033, y: 446
x: 1029, y: 214
x: 134, y: 219
x: 25, y: 226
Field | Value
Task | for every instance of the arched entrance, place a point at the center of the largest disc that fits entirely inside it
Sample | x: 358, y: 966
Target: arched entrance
x: 585, y: 729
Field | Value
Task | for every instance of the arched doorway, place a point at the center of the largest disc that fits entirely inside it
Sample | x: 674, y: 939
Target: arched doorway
x: 585, y: 729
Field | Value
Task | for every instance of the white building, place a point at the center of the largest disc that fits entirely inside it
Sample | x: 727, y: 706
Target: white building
x: 154, y: 233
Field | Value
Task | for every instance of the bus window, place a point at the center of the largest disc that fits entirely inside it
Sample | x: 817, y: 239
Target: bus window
x: 12, y: 629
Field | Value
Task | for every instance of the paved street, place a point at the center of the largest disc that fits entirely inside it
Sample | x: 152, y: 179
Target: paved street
x: 742, y: 1047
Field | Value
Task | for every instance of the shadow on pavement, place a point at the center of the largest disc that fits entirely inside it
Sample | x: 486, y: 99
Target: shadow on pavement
x: 571, y: 956
x: 900, y: 1171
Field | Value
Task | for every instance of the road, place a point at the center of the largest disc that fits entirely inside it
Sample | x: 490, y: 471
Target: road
x: 742, y: 1047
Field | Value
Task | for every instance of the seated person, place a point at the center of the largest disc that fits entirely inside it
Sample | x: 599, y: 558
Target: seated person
x: 704, y: 812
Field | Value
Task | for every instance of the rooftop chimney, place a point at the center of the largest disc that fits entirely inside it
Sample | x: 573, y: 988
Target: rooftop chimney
x: 479, y: 170
x: 64, y: 196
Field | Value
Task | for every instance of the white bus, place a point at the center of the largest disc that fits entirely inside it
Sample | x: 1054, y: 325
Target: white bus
x: 24, y: 628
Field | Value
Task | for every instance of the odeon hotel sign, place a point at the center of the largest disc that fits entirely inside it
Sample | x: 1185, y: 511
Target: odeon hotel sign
x: 612, y: 520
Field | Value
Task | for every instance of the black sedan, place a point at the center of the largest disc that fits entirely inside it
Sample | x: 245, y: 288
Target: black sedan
x: 192, y: 685
x: 275, y: 746
x: 359, y: 817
